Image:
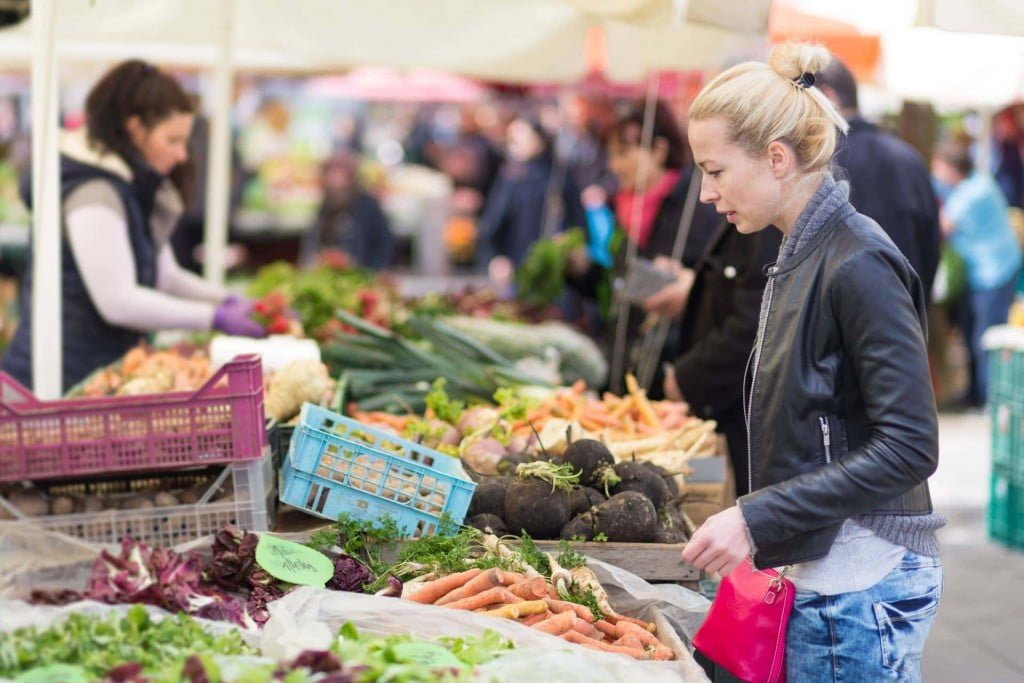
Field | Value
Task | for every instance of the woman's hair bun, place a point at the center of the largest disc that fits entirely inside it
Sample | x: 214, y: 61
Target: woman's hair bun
x: 790, y: 60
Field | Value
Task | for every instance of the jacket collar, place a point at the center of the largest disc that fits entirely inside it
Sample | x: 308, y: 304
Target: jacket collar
x: 75, y: 145
x: 838, y: 216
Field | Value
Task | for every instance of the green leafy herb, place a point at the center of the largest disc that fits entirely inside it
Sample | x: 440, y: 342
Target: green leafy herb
x: 533, y: 556
x: 584, y: 597
x: 569, y: 558
x: 601, y: 537
x: 443, y: 407
x: 365, y: 540
x: 99, y: 643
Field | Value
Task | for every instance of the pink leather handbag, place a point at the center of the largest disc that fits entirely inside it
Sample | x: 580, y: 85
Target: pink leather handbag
x: 745, y: 629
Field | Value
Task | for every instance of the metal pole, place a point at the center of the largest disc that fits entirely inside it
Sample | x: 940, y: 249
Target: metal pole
x: 621, y: 307
x: 47, y: 347
x: 219, y: 162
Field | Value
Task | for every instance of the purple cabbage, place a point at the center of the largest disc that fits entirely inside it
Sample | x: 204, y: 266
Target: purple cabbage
x: 349, y: 575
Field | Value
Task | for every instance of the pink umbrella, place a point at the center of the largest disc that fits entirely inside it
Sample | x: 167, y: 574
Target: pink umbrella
x: 383, y: 84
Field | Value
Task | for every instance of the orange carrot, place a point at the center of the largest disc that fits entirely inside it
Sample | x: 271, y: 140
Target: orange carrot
x: 629, y: 640
x: 579, y: 386
x: 491, y: 596
x: 650, y: 642
x: 580, y: 639
x: 434, y: 590
x: 586, y: 629
x: 557, y: 624
x: 615, y: 619
x: 530, y: 589
x: 512, y: 578
x: 560, y: 606
x: 480, y: 583
x: 535, y: 619
x: 607, y: 628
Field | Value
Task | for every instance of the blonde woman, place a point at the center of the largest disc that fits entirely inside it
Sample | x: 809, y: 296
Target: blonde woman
x: 839, y: 406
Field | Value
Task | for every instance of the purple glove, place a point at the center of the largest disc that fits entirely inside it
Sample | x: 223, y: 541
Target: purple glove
x: 242, y: 302
x: 233, y: 318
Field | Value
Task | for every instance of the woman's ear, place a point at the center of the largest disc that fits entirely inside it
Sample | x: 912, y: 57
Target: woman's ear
x: 136, y: 131
x: 781, y: 159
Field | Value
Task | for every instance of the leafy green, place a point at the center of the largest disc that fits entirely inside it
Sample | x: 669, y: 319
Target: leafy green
x: 533, y: 556
x: 442, y: 405
x: 98, y: 644
x: 540, y: 279
x: 600, y: 537
x: 561, y: 477
x: 585, y: 597
x: 569, y: 558
x: 365, y: 540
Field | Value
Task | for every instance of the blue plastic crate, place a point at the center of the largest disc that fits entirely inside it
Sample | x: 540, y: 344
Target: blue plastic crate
x: 337, y: 465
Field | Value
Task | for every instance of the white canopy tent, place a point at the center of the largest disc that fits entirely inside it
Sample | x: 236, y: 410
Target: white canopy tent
x: 507, y: 40
x: 1002, y: 17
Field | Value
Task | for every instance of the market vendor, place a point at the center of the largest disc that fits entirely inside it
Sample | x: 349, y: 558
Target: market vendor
x: 649, y: 210
x: 123, y: 181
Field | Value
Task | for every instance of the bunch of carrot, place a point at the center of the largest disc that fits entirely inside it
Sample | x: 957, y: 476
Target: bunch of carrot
x: 632, y: 415
x: 535, y: 602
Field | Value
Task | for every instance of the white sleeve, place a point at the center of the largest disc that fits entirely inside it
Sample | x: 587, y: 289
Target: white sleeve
x: 175, y: 280
x: 98, y: 236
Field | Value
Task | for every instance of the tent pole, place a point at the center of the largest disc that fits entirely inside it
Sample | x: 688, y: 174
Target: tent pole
x: 47, y: 349
x: 219, y: 162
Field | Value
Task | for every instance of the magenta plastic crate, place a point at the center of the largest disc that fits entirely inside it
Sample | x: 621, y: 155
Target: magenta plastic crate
x: 220, y: 422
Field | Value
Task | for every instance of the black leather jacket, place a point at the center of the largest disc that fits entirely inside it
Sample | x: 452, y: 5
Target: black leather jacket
x: 841, y: 412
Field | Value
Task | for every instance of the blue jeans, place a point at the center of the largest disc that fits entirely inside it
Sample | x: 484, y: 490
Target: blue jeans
x: 985, y: 308
x: 876, y: 634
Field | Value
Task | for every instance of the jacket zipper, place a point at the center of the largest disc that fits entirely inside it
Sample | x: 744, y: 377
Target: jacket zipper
x: 826, y: 437
x: 753, y: 379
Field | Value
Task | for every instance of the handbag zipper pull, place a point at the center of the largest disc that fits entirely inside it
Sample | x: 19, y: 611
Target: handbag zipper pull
x: 772, y: 594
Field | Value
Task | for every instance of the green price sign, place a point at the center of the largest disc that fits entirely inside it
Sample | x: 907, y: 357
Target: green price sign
x: 293, y: 562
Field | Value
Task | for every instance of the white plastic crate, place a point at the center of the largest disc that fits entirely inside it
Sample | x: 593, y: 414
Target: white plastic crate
x: 243, y: 494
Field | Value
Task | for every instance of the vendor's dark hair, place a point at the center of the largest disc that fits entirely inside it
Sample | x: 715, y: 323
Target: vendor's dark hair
x: 838, y: 77
x: 628, y: 130
x: 136, y: 88
x: 546, y: 139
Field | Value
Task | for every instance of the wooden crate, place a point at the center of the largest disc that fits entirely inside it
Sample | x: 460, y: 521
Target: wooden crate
x: 649, y: 561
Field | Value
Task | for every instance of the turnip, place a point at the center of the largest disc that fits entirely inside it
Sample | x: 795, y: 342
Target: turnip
x: 532, y: 506
x: 593, y: 461
x: 488, y: 523
x: 629, y: 517
x: 508, y: 464
x: 489, y: 497
x: 583, y: 498
x: 581, y: 527
x: 638, y: 477
x: 482, y: 454
x: 477, y: 419
x: 670, y: 480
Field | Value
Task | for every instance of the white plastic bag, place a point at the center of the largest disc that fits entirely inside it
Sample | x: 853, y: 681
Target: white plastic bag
x: 537, y: 654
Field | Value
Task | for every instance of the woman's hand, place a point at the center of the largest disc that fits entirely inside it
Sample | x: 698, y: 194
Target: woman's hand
x: 670, y: 386
x: 671, y: 300
x: 720, y: 544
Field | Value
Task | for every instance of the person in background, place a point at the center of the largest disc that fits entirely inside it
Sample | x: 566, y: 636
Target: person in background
x: 975, y: 218
x: 1009, y: 170
x: 124, y: 179
x: 526, y: 195
x: 350, y: 219
x: 889, y: 180
x: 718, y: 316
x: 840, y: 407
x: 649, y: 214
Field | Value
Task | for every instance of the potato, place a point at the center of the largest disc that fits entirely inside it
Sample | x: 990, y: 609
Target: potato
x: 62, y: 505
x: 136, y: 503
x: 92, y: 504
x: 192, y: 494
x: 165, y: 499
x: 31, y: 502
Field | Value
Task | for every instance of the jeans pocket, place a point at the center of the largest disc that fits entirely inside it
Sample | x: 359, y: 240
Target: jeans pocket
x: 903, y: 627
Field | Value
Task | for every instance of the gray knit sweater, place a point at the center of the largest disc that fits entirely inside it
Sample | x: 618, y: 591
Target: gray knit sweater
x: 913, y: 532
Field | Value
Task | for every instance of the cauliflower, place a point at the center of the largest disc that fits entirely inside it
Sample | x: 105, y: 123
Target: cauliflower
x: 293, y: 385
